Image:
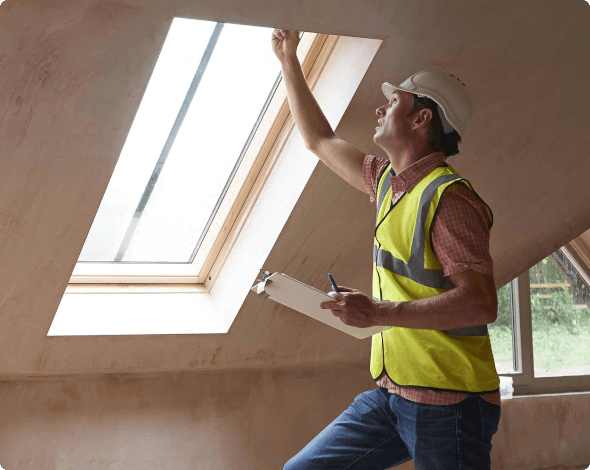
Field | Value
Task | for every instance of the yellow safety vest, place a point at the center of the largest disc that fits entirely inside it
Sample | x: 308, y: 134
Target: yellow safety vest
x: 405, y: 267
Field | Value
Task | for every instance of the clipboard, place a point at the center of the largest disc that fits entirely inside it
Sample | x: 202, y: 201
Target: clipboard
x: 306, y: 299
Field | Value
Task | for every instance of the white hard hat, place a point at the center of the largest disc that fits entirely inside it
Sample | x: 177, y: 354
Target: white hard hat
x: 455, y: 106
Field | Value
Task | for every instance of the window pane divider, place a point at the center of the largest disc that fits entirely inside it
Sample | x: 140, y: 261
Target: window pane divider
x: 523, y: 332
x: 147, y: 193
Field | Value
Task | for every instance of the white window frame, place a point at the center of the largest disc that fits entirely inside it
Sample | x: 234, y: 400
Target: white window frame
x: 127, y: 309
x: 313, y: 52
x: 524, y: 380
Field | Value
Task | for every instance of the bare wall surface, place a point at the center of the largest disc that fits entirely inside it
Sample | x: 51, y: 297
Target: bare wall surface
x: 241, y: 420
x: 211, y: 420
x: 72, y: 75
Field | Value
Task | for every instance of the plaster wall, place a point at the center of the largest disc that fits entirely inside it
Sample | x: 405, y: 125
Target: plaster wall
x: 237, y: 420
x: 72, y: 74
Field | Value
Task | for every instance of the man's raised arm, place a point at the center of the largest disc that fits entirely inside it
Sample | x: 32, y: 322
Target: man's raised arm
x: 341, y: 157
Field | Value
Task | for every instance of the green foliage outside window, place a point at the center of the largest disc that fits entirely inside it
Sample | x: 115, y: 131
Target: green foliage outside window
x: 559, y: 306
x: 501, y: 332
x: 560, y: 320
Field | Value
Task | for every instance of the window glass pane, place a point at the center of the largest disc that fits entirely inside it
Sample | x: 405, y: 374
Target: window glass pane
x: 560, y: 317
x: 229, y: 97
x: 501, y: 333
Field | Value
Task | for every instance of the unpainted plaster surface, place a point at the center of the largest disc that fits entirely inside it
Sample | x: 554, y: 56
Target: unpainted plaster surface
x: 72, y: 75
x: 240, y: 420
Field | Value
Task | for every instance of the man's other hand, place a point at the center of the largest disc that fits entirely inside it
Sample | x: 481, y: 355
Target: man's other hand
x: 284, y: 43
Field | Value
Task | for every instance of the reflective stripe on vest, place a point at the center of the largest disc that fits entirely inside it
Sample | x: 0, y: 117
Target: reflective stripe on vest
x: 465, y: 365
x: 415, y: 269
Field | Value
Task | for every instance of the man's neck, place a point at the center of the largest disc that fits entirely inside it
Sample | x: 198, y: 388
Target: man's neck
x: 399, y: 162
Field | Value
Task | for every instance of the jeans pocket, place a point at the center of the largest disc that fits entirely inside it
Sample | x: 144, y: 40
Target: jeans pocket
x: 490, y: 418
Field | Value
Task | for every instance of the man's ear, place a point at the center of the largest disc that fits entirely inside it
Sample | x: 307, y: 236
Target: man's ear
x: 423, y: 118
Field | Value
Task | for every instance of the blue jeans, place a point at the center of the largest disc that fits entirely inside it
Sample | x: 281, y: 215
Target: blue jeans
x: 382, y: 430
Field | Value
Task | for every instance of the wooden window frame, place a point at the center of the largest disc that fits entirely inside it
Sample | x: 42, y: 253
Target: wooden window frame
x: 524, y: 380
x: 313, y: 52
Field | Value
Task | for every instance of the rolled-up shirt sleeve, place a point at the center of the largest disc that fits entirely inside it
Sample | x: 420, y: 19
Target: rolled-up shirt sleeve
x: 372, y: 168
x: 460, y: 233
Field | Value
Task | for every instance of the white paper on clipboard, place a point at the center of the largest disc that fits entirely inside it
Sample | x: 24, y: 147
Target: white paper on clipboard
x: 306, y: 299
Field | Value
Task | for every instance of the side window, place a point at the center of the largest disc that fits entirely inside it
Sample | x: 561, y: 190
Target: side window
x: 560, y: 313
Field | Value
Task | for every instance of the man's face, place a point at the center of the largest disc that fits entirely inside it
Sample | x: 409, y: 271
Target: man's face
x: 394, y: 120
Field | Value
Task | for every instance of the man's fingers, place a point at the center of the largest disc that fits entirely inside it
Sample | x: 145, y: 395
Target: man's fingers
x: 345, y: 289
x: 339, y: 296
x: 330, y: 305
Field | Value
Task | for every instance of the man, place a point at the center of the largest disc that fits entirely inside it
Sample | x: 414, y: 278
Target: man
x: 437, y: 400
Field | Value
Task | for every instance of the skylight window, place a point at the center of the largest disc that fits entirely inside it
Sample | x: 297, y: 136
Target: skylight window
x: 210, y: 87
x: 204, y: 297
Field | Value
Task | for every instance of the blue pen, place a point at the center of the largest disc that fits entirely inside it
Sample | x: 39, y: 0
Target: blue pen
x: 333, y: 283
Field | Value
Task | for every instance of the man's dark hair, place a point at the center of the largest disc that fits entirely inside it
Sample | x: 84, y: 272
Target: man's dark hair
x: 437, y: 140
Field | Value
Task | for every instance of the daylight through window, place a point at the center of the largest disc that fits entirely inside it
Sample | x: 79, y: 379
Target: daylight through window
x: 210, y: 87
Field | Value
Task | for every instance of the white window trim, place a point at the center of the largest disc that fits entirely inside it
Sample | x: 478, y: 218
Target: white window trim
x: 524, y: 380
x: 313, y: 52
x: 111, y: 310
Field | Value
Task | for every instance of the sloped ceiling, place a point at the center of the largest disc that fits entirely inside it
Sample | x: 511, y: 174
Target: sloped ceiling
x: 72, y: 74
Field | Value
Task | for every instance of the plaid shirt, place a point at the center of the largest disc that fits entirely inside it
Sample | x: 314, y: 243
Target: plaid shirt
x: 460, y: 238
